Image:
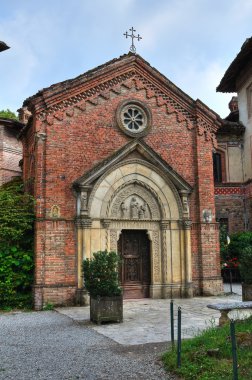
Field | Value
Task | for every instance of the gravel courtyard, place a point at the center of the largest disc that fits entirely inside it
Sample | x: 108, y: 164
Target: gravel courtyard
x: 48, y: 345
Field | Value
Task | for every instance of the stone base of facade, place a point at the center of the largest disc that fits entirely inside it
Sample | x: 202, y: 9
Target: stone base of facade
x: 55, y: 295
x: 208, y: 287
x: 171, y: 291
x: 70, y: 296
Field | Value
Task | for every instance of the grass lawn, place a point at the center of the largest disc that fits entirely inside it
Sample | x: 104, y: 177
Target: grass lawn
x: 197, y: 363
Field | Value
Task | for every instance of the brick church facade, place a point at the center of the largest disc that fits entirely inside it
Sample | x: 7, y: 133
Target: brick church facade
x: 120, y: 158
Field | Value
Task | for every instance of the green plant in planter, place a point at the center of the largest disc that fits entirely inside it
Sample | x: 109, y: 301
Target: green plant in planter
x: 101, y: 274
x: 246, y: 265
x: 102, y: 282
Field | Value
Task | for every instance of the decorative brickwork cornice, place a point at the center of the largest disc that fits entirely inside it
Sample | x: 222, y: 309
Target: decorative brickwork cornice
x: 114, y: 87
x: 64, y: 99
x: 207, y: 123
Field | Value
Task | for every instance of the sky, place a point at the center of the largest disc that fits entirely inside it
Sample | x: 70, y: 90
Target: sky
x: 191, y: 42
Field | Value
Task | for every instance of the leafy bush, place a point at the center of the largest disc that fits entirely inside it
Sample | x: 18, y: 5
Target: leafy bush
x: 16, y: 272
x: 101, y: 274
x: 16, y: 214
x: 234, y: 254
x: 16, y: 245
x: 238, y: 242
x: 246, y: 265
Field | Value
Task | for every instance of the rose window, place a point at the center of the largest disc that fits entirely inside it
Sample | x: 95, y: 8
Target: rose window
x: 134, y: 118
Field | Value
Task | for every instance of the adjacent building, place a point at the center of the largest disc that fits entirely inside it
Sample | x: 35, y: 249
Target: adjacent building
x: 233, y: 157
x: 10, y: 149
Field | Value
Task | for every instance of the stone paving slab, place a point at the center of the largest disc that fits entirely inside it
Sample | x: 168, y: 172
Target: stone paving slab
x: 148, y: 320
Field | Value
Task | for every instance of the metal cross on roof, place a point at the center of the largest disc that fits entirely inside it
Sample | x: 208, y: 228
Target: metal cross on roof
x: 132, y: 36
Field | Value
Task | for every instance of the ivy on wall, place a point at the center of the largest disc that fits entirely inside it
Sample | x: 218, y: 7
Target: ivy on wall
x: 16, y: 245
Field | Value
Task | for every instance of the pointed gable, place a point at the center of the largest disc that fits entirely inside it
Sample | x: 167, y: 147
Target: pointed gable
x: 128, y: 71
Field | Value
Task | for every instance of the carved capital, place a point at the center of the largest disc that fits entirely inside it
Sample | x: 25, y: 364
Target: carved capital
x: 165, y: 224
x: 83, y: 222
x: 106, y: 223
x: 187, y: 224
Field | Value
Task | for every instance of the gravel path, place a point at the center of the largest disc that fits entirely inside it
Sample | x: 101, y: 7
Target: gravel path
x: 47, y: 345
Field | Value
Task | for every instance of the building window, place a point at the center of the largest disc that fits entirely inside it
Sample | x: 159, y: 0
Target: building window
x: 134, y: 118
x: 217, y: 167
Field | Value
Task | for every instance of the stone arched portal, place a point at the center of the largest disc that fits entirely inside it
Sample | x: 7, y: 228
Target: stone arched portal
x: 136, y: 195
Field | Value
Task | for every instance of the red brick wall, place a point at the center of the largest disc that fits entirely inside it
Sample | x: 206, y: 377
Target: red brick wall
x: 231, y: 207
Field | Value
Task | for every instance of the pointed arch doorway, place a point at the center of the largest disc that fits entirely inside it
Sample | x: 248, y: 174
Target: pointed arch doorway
x: 134, y: 249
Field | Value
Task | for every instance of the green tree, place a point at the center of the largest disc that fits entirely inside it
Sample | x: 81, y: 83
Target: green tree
x: 16, y: 244
x: 7, y: 114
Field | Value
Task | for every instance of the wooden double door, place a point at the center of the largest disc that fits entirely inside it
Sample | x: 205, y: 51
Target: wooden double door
x: 134, y: 249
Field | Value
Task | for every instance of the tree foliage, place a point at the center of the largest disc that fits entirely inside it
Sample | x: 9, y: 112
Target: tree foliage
x: 8, y: 114
x: 16, y: 243
x: 238, y: 254
x: 238, y: 242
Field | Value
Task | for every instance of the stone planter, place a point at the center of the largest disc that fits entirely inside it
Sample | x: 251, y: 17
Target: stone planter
x: 246, y: 292
x: 106, y: 309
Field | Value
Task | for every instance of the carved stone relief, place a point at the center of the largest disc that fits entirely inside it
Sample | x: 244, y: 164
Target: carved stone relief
x: 113, y: 240
x: 83, y: 200
x: 55, y: 211
x: 134, y: 207
x: 207, y: 215
x: 156, y: 255
x: 164, y: 256
x: 135, y: 202
x: 134, y: 225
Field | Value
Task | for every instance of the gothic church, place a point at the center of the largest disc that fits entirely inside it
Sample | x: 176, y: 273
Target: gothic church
x: 120, y: 158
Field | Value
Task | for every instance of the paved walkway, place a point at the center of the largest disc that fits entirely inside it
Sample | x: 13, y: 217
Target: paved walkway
x: 148, y: 320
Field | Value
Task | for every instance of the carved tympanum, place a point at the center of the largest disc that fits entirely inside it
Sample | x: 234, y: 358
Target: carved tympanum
x: 134, y: 208
x: 135, y: 202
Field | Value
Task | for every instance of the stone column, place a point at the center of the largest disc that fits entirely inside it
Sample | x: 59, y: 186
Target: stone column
x: 106, y: 224
x: 83, y: 224
x: 188, y: 292
x: 166, y: 289
x: 165, y: 225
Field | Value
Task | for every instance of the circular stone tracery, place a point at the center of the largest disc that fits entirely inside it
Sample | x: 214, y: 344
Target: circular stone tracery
x: 134, y: 118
